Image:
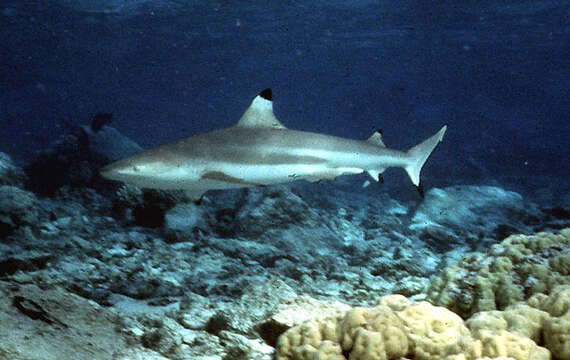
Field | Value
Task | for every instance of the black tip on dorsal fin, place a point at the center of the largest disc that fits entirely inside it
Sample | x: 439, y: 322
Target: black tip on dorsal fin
x: 420, y: 190
x: 266, y: 94
x: 99, y: 120
x: 379, y: 131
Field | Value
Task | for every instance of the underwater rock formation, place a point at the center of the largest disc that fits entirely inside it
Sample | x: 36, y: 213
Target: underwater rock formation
x: 10, y: 174
x: 17, y: 208
x: 75, y: 158
x: 472, y: 215
x: 106, y: 140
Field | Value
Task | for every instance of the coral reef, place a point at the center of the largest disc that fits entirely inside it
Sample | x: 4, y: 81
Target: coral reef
x: 512, y: 271
x: 399, y: 329
x: 226, y: 278
x: 556, y: 327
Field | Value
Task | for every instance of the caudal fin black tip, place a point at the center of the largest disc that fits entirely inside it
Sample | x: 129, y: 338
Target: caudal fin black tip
x: 99, y: 120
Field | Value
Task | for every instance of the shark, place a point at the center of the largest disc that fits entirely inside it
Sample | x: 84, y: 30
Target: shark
x: 259, y: 151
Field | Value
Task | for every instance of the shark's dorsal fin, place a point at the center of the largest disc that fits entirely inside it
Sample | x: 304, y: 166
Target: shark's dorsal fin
x: 376, y: 139
x: 260, y: 113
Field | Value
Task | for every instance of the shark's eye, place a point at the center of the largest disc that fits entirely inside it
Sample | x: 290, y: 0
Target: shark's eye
x: 135, y: 168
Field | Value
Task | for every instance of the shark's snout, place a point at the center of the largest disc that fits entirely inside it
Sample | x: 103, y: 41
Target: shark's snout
x: 108, y: 172
x: 116, y: 170
x: 139, y: 171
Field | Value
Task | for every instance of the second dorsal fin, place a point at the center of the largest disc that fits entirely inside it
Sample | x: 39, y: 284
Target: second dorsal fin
x: 376, y: 139
x: 260, y: 113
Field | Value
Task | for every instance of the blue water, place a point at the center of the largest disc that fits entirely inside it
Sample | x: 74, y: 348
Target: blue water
x: 497, y: 72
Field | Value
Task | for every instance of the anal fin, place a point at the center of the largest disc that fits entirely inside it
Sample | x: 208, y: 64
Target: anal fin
x: 376, y: 175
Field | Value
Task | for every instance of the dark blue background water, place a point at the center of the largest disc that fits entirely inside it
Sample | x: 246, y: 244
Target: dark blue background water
x: 496, y: 71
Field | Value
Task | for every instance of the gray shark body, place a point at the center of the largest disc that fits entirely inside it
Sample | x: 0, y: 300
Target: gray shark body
x: 260, y: 151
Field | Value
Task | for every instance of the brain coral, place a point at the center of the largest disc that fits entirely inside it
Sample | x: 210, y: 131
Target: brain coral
x: 512, y: 271
x: 399, y: 329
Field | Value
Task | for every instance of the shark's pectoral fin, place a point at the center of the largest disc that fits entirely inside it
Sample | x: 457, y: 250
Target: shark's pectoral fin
x: 260, y: 113
x: 222, y: 177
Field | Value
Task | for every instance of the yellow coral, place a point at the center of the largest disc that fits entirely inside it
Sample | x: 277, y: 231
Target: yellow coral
x: 397, y: 328
x: 557, y: 327
x: 383, y: 338
x: 558, y: 303
x: 369, y: 346
x: 505, y: 343
x: 561, y: 264
x: 520, y: 266
x: 557, y: 336
x: 328, y: 350
x: 537, y: 301
x: 303, y: 341
x: 502, y: 264
x: 349, y: 325
x: 525, y: 320
x: 435, y: 332
x: 543, y: 317
x: 394, y: 302
x: 487, y: 320
x: 519, y: 318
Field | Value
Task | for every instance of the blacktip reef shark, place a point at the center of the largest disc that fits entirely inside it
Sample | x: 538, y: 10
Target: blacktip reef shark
x: 260, y: 151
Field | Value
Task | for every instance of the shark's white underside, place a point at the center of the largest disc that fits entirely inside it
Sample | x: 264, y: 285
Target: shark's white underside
x: 258, y: 151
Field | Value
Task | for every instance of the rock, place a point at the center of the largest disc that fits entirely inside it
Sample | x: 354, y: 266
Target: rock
x: 257, y: 300
x: 146, y: 207
x: 10, y: 174
x: 17, y: 208
x: 109, y: 143
x: 243, y: 348
x: 185, y: 217
x: 293, y: 313
x: 275, y: 207
x: 276, y: 216
x: 75, y: 158
x: 64, y: 162
x: 472, y: 215
x: 64, y: 327
x: 31, y: 261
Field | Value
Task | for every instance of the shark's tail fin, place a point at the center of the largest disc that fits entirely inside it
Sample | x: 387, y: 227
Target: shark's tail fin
x: 420, y: 153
